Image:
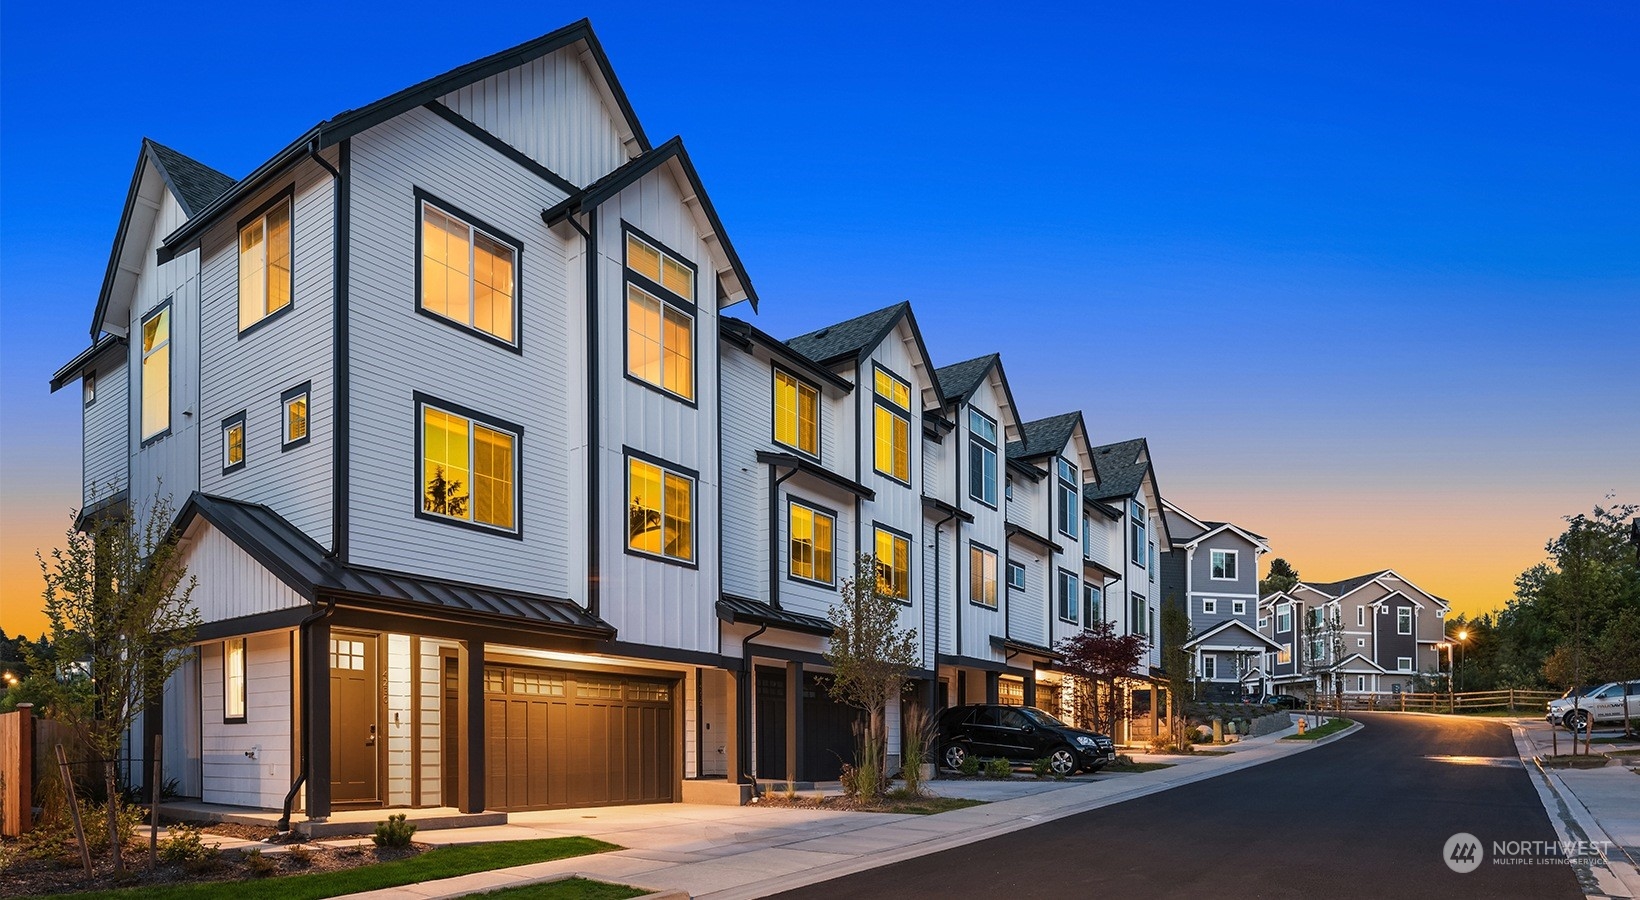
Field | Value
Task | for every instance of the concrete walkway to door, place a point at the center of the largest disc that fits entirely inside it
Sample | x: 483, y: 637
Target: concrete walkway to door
x: 731, y: 852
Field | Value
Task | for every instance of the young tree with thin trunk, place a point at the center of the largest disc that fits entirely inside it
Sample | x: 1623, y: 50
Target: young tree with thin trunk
x: 870, y: 655
x: 117, y: 600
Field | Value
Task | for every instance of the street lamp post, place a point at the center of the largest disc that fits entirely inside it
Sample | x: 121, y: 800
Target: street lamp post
x: 1447, y: 646
x: 1463, y: 635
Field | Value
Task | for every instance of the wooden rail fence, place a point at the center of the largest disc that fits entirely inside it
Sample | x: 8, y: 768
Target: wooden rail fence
x: 1517, y: 701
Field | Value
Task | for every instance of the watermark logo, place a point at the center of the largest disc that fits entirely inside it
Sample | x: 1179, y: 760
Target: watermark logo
x: 1463, y: 853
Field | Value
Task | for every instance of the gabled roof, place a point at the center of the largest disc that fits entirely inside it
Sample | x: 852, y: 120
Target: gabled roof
x: 84, y: 360
x: 1045, y: 437
x: 1231, y: 625
x: 1122, y: 468
x: 1340, y: 588
x: 745, y: 334
x: 194, y: 184
x: 852, y: 338
x: 595, y: 194
x: 1220, y: 527
x: 304, y: 566
x: 1344, y: 665
x: 959, y: 381
x: 351, y: 122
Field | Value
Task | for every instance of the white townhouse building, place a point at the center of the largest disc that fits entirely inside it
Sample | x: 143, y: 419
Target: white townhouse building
x: 493, y: 506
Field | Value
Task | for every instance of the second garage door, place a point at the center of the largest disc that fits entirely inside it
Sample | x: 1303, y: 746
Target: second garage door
x: 559, y: 738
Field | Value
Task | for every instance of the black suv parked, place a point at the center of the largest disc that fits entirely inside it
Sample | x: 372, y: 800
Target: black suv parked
x: 1021, y: 734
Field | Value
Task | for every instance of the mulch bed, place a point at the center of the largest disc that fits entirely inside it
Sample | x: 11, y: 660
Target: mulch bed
x: 24, y: 877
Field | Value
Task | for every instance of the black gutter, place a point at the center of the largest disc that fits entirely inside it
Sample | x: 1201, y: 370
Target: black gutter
x: 743, y: 734
x: 589, y: 237
x: 340, y: 394
x: 774, y: 530
x: 305, y: 693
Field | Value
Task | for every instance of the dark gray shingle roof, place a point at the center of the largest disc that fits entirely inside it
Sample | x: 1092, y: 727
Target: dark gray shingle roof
x: 1340, y: 588
x: 195, y: 183
x: 848, y: 338
x: 1121, y: 472
x: 1044, y: 436
x: 959, y: 380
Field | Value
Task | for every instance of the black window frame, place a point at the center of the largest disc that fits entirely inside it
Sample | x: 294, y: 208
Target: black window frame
x: 286, y: 195
x: 419, y: 403
x: 1074, y: 600
x: 910, y: 544
x: 1069, y: 511
x: 628, y: 454
x: 978, y: 445
x: 244, y: 681
x: 305, y: 389
x: 974, y: 546
x: 814, y: 509
x: 667, y: 297
x: 170, y: 372
x: 1014, y: 566
x: 1093, y: 602
x: 877, y: 399
x: 88, y: 388
x: 427, y: 198
x: 228, y: 423
x: 775, y: 371
x: 1140, y: 529
x: 1138, y: 608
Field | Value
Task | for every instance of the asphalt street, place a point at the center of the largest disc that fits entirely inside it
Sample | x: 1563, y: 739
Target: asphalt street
x: 1365, y: 816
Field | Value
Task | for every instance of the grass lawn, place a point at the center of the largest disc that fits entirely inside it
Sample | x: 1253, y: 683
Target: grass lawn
x: 1136, y: 767
x: 928, y: 806
x: 568, y: 889
x: 444, y: 862
x: 1332, y: 727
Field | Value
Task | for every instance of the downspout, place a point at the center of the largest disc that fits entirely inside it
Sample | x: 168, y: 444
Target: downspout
x: 774, y: 532
x: 306, y: 692
x: 589, y: 237
x: 743, y: 734
x: 937, y: 601
x: 340, y: 400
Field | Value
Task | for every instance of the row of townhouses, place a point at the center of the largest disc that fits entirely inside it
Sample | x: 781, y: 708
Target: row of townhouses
x: 493, y: 504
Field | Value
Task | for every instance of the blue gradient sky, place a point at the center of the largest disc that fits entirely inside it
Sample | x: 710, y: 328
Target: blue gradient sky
x: 1366, y: 274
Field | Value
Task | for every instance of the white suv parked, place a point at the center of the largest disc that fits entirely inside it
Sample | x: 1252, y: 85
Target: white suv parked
x: 1603, y: 704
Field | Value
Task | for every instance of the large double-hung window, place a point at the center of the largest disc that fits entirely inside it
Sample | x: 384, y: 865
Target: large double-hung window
x: 660, y: 510
x: 810, y: 531
x: 1070, y: 590
x: 469, y: 467
x: 982, y: 457
x: 893, y: 564
x: 660, y: 317
x: 1069, y: 509
x: 982, y: 575
x: 892, y: 405
x: 264, y: 263
x: 468, y: 274
x: 796, y: 413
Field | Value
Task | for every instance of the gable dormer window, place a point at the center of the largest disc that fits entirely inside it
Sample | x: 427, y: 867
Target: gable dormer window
x: 982, y: 457
x: 1069, y: 511
x: 1136, y: 518
x: 468, y: 274
x: 660, y: 317
x: 796, y: 413
x: 892, y: 424
x: 264, y: 263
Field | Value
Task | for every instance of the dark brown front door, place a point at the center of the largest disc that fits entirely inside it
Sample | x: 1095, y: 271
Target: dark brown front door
x: 353, y: 747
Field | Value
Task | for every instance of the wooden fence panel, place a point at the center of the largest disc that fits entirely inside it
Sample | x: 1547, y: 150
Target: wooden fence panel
x: 17, y: 770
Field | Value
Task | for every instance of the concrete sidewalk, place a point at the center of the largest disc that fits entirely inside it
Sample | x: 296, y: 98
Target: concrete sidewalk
x: 731, y: 852
x: 1589, y: 804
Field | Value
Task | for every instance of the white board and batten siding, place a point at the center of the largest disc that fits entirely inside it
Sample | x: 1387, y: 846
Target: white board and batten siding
x: 232, y: 584
x: 247, y: 372
x: 1029, y: 608
x: 106, y: 422
x: 746, y: 420
x: 395, y: 351
x: 229, y: 775
x: 647, y: 600
x: 552, y: 110
x: 896, y: 504
x: 169, y: 465
x: 980, y: 623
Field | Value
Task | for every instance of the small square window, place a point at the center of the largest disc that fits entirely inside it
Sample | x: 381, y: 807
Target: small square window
x: 1210, y: 607
x: 1360, y: 642
x: 233, y: 443
x: 1239, y: 607
x: 1403, y: 663
x: 295, y: 407
x: 1016, y: 576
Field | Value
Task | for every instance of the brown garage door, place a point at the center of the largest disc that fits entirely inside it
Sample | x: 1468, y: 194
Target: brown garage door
x: 560, y: 738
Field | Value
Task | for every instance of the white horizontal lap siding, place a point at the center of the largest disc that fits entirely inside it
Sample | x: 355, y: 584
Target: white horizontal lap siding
x: 106, y: 450
x: 430, y: 744
x: 1028, y: 619
x: 746, y: 383
x: 181, y: 726
x: 940, y: 580
x: 395, y: 351
x: 650, y: 601
x: 401, y: 672
x: 248, y: 372
x: 231, y: 583
x: 990, y: 523
x: 552, y: 111
x: 229, y: 775
x: 168, y: 466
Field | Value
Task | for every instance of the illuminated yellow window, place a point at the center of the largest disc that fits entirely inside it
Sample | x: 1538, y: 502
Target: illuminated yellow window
x: 660, y: 318
x: 156, y: 373
x: 660, y: 511
x: 811, y: 543
x: 468, y: 470
x: 233, y: 442
x: 892, y: 442
x: 264, y: 264
x: 295, y: 403
x: 796, y: 414
x: 893, y: 565
x: 468, y: 276
x: 233, y: 679
x: 982, y: 576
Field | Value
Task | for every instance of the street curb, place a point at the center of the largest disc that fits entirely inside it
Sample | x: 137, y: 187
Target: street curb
x: 1355, y: 725
x: 1623, y: 868
x: 948, y: 842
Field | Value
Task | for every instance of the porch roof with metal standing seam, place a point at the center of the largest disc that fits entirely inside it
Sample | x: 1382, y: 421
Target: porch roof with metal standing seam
x: 301, y: 563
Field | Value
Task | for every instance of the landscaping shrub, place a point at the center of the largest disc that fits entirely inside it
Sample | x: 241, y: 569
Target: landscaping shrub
x: 183, y: 846
x: 999, y: 768
x: 300, y: 855
x: 1041, y: 767
x: 970, y: 765
x: 395, y: 832
x: 258, y: 865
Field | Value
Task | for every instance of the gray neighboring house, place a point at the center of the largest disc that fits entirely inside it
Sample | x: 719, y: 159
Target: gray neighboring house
x: 1211, y: 571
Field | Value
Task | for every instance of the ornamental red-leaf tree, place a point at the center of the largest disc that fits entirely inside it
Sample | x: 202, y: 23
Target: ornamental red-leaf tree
x: 1097, y: 658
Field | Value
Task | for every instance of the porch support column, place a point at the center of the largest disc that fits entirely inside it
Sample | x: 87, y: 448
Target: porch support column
x: 316, y: 677
x: 739, y: 743
x: 470, y: 666
x: 992, y: 679
x: 1155, y: 718
x: 1030, y: 687
x: 794, y: 721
